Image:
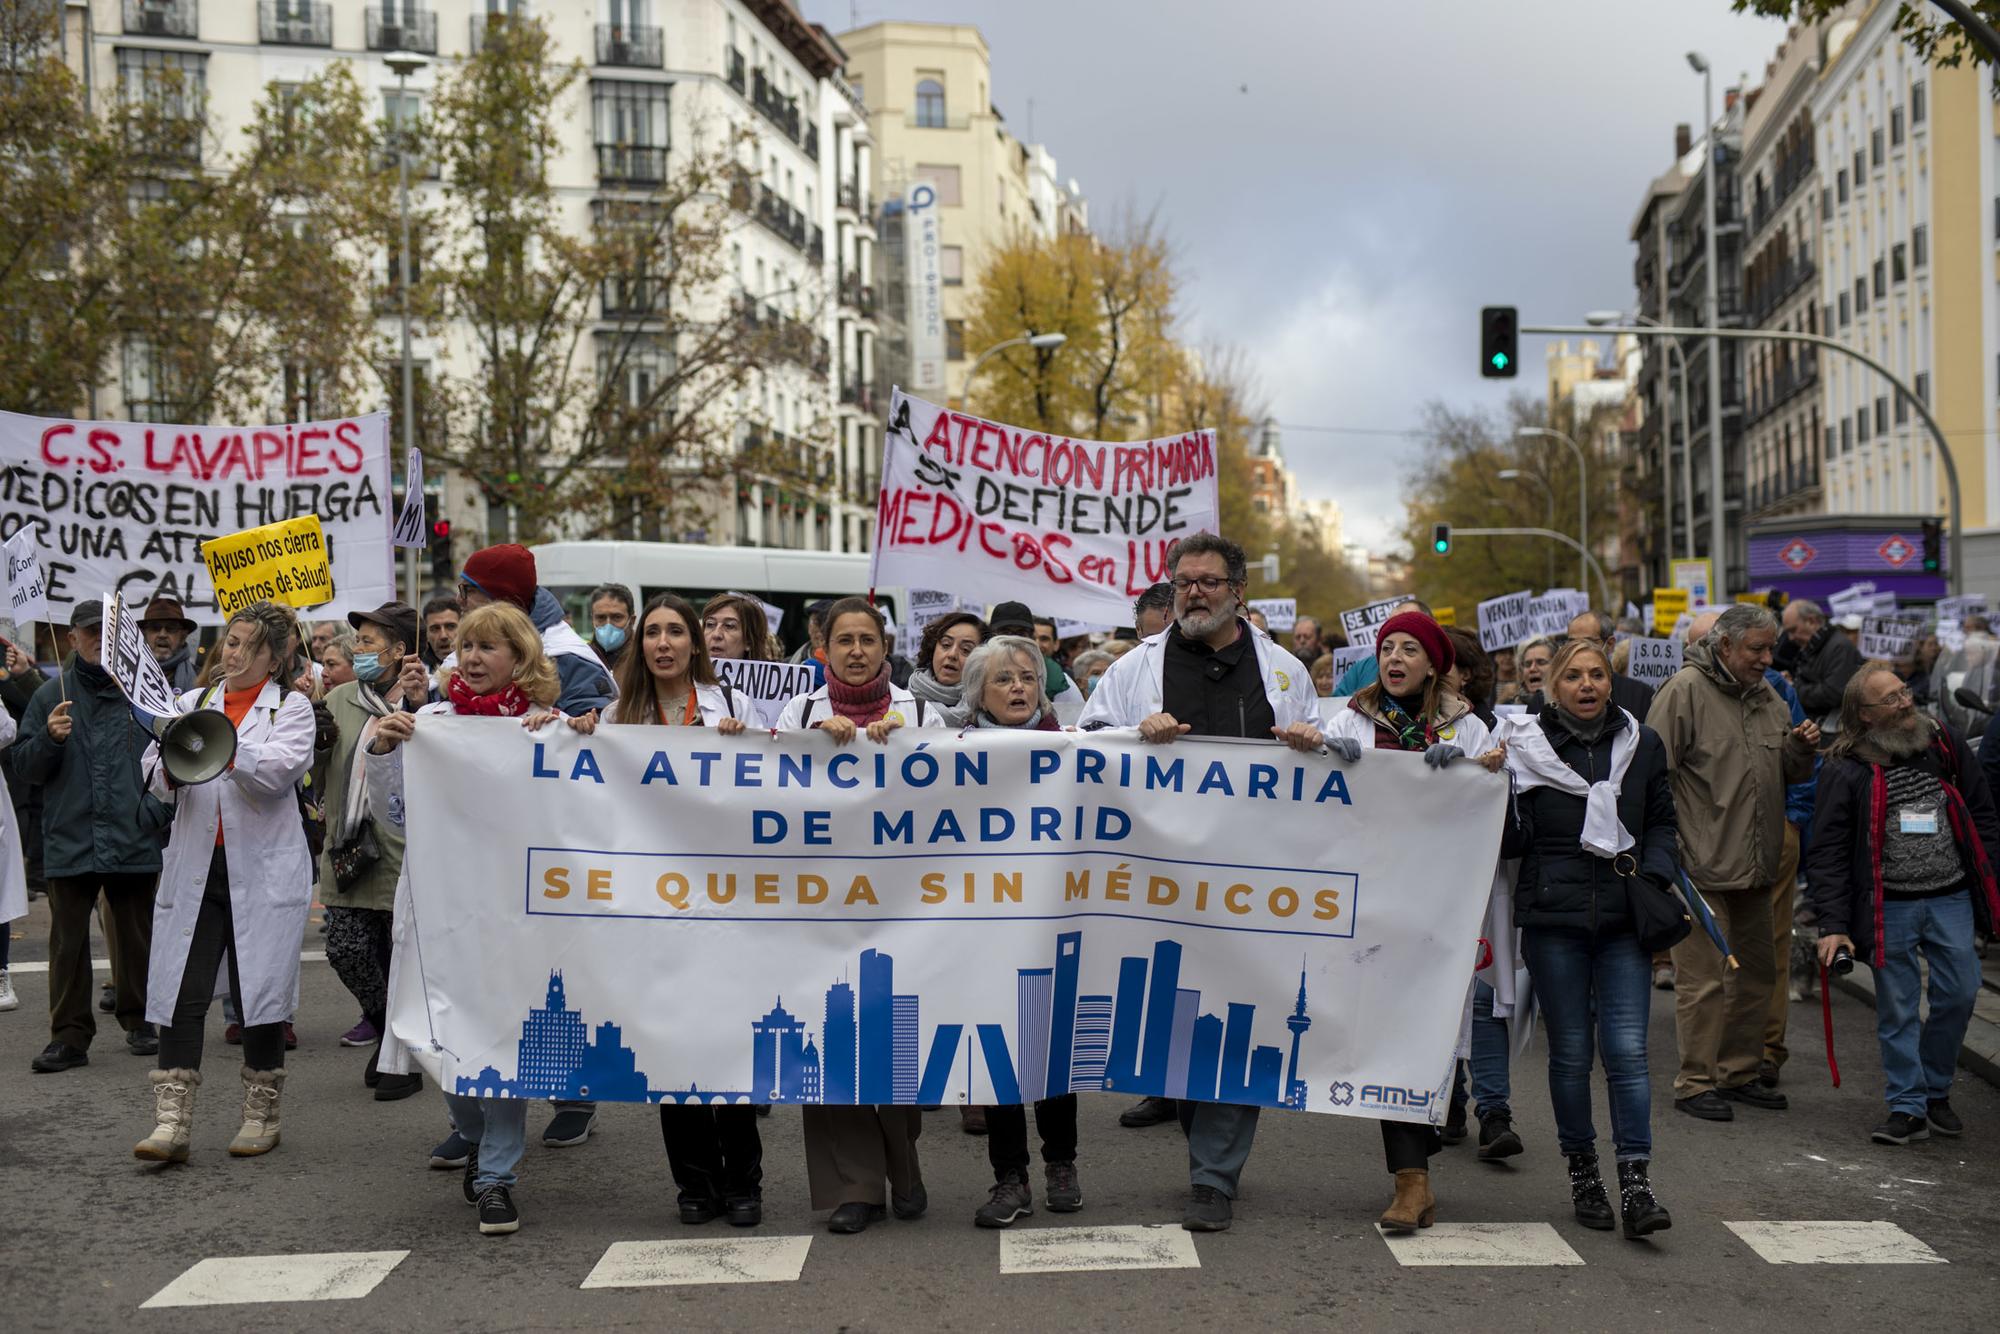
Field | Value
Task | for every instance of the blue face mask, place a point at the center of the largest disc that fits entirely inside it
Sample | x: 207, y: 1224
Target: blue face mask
x: 367, y: 666
x: 610, y: 637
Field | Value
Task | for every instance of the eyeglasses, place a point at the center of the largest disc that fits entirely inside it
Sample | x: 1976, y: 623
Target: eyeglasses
x: 1207, y: 583
x: 1902, y: 696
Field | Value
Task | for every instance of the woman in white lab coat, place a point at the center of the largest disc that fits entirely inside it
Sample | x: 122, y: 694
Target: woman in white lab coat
x: 236, y: 886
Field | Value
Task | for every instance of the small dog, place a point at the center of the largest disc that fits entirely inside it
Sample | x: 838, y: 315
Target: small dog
x: 1804, y: 955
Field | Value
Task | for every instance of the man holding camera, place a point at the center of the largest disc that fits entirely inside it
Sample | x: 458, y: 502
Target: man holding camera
x: 1901, y: 865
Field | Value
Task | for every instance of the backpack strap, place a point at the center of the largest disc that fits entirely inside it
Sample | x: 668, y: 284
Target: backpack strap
x: 805, y: 719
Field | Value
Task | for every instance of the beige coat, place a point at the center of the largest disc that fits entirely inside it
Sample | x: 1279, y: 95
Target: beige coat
x: 1730, y: 754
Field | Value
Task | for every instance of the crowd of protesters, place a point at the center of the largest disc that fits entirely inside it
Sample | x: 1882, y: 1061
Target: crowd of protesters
x: 1777, y: 781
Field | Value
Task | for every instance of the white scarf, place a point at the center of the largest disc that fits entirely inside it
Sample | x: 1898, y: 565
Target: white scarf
x: 1533, y: 762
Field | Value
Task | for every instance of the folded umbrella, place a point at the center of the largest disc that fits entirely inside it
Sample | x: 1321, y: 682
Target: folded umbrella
x: 1697, y: 905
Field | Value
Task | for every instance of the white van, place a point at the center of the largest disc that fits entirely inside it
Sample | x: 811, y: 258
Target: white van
x: 791, y: 580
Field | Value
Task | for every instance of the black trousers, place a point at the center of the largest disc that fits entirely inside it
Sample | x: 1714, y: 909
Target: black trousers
x: 213, y: 941
x: 715, y: 1153
x: 1407, y: 1145
x: 1007, y: 1135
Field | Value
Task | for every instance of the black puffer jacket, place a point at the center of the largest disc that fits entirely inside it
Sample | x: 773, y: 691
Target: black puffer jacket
x: 1826, y: 662
x: 1561, y: 884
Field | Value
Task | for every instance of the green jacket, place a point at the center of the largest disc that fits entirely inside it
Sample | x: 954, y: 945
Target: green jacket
x: 97, y: 817
x: 376, y: 889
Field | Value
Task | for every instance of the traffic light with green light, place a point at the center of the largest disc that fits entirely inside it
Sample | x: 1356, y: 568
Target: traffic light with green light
x: 1933, y: 545
x: 1441, y: 538
x: 1499, y: 342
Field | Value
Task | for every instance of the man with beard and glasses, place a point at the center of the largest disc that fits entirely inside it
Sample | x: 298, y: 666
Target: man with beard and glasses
x: 1901, y: 865
x: 1209, y: 674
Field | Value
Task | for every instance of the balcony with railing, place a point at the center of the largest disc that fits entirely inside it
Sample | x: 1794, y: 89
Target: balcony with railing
x: 1770, y: 293
x: 631, y: 164
x: 848, y: 196
x: 162, y: 18
x: 490, y: 28
x: 812, y: 142
x: 632, y: 47
x: 780, y: 110
x: 295, y: 22
x: 634, y: 296
x: 781, y: 218
x: 1797, y: 480
x: 855, y: 293
x: 400, y: 28
x: 1794, y: 376
x: 857, y: 392
x: 786, y: 338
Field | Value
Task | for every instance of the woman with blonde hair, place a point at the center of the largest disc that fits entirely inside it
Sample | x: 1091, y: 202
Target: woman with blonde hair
x: 501, y: 671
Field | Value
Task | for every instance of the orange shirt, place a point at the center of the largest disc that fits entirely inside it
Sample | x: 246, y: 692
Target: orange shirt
x: 236, y: 703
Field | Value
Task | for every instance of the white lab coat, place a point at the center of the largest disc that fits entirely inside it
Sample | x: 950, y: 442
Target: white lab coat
x: 13, y: 868
x: 271, y: 871
x: 1132, y: 688
x: 819, y: 708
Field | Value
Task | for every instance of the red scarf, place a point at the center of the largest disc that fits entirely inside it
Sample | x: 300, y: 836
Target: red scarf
x: 509, y: 703
x: 863, y: 704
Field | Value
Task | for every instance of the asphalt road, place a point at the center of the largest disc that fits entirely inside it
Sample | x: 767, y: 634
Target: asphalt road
x: 88, y: 1234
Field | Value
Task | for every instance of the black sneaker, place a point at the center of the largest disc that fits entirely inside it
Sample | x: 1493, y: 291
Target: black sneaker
x: 59, y: 1056
x: 855, y: 1217
x: 1767, y: 1074
x: 1944, y: 1120
x: 1707, y: 1105
x: 497, y: 1214
x: 571, y: 1126
x: 1754, y: 1094
x: 1900, y: 1129
x: 452, y: 1153
x: 107, y: 998
x: 394, y: 1088
x: 1061, y: 1190
x: 1010, y: 1200
x: 1208, y: 1210
x: 695, y: 1211
x: 1149, y: 1112
x: 1497, y: 1139
x: 471, y: 1171
x: 746, y: 1210
x: 910, y: 1207
x: 143, y: 1041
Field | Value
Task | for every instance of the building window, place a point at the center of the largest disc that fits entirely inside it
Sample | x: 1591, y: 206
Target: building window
x: 1882, y: 416
x: 1899, y: 262
x: 1826, y: 206
x: 943, y: 179
x: 954, y: 340
x: 151, y: 393
x: 1916, y: 105
x: 1860, y: 169
x: 1902, y: 409
x: 1843, y: 309
x: 951, y: 265
x: 1896, y: 127
x: 633, y: 114
x: 1861, y: 426
x: 1846, y: 435
x: 930, y: 104
x: 1921, y: 382
x: 1840, y: 184
x: 1829, y: 444
x: 1860, y: 296
x: 173, y: 86
x: 1920, y: 246
x: 1875, y: 146
x: 1881, y: 279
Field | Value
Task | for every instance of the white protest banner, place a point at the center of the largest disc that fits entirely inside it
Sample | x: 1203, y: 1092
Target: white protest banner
x: 1503, y: 621
x: 1551, y: 613
x: 1854, y: 600
x: 130, y: 662
x: 1360, y: 624
x: 1075, y: 528
x: 27, y: 586
x: 411, y: 530
x: 993, y: 918
x: 1653, y: 661
x: 124, y: 507
x: 766, y: 686
x: 1888, y: 637
x: 1958, y: 608
x: 1280, y: 614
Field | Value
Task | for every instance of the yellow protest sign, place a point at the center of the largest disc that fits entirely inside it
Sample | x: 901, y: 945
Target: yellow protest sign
x: 1668, y: 606
x: 1446, y: 616
x: 280, y: 562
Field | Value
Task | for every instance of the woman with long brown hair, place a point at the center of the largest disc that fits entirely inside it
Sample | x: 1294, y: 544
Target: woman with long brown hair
x: 734, y: 627
x: 669, y: 678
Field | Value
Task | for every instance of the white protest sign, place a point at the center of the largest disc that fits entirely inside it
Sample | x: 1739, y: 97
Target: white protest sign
x: 1854, y: 600
x: 1361, y: 623
x: 1958, y: 608
x: 411, y: 530
x: 1068, y: 629
x: 766, y: 687
x: 131, y: 663
x: 1888, y: 637
x: 1653, y: 661
x: 1343, y: 658
x: 1280, y: 614
x: 1884, y: 604
x: 1074, y: 528
x: 1503, y: 621
x: 922, y: 606
x: 27, y: 587
x: 1551, y: 613
x: 124, y: 507
x: 923, y: 952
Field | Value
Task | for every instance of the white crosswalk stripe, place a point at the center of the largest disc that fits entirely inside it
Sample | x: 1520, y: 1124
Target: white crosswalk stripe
x: 1835, y: 1243
x: 664, y: 1264
x: 243, y: 1279
x: 1483, y: 1244
x: 1076, y: 1250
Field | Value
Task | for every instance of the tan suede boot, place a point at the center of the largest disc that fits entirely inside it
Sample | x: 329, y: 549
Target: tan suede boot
x: 1414, y: 1205
x: 260, y: 1113
x: 173, y: 1116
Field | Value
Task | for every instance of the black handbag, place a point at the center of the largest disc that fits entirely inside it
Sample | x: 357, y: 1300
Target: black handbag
x: 354, y: 856
x: 1659, y: 918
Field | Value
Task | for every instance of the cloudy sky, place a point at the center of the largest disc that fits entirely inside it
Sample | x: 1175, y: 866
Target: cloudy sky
x: 1392, y: 166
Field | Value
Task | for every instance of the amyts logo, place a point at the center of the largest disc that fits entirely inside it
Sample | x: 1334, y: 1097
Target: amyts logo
x: 1381, y: 1097
x: 1342, y: 1093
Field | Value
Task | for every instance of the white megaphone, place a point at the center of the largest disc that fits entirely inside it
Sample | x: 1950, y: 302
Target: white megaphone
x: 194, y: 747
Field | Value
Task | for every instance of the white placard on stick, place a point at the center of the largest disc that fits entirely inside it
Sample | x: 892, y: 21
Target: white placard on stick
x: 131, y: 663
x: 411, y: 530
x: 27, y: 586
x: 1503, y: 621
x: 1279, y: 613
x: 1888, y: 637
x: 1360, y: 624
x: 767, y: 687
x: 1653, y: 661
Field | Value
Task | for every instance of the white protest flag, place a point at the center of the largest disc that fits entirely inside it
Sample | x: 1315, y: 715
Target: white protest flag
x: 767, y: 687
x: 986, y: 918
x: 411, y: 530
x: 27, y: 586
x: 1653, y: 661
x: 1503, y: 621
x: 125, y: 506
x: 1361, y: 623
x: 1073, y: 528
x: 1280, y: 614
x: 131, y: 663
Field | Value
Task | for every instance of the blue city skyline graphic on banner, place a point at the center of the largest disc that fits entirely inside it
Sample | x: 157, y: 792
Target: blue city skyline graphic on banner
x: 1151, y: 1037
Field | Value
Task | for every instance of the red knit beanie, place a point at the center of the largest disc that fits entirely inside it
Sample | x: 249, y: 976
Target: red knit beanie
x: 1426, y: 632
x: 505, y: 573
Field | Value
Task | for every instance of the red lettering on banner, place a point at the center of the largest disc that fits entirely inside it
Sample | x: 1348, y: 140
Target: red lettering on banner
x: 347, y: 434
x: 49, y: 437
x: 1059, y: 573
x: 154, y: 463
x: 987, y: 532
x: 941, y: 435
x: 1098, y: 570
x: 305, y: 459
x: 101, y: 444
x: 270, y: 448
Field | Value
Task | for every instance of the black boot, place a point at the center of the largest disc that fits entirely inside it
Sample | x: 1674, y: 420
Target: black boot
x: 1644, y: 1214
x: 1586, y: 1193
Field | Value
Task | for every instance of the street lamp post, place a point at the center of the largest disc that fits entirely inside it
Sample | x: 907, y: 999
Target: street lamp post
x: 1582, y: 491
x: 1718, y: 553
x: 1675, y: 357
x: 1549, y: 492
x: 404, y: 64
x: 1043, y: 340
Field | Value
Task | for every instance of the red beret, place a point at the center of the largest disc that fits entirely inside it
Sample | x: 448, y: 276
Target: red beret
x: 505, y: 573
x: 1425, y: 631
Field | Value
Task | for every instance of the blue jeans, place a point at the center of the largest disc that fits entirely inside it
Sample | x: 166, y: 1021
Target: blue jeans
x: 499, y: 1126
x: 1919, y: 1056
x: 1490, y: 1087
x: 1606, y: 983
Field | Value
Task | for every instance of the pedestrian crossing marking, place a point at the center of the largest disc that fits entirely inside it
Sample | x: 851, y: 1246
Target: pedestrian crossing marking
x: 1076, y: 1250
x: 1835, y: 1243
x: 241, y: 1279
x: 666, y: 1264
x: 1483, y: 1244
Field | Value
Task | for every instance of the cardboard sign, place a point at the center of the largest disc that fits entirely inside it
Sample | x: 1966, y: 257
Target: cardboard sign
x: 280, y: 562
x: 411, y: 531
x: 1669, y: 605
x: 27, y: 586
x: 1654, y: 661
x: 766, y: 687
x: 1360, y: 624
x: 1279, y: 613
x: 1503, y: 621
x: 131, y: 663
x: 1888, y: 637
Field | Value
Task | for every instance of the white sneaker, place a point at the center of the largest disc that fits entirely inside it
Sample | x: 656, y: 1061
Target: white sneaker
x: 8, y: 1000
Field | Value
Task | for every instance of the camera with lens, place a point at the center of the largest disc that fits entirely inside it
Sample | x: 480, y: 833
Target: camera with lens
x: 1843, y: 960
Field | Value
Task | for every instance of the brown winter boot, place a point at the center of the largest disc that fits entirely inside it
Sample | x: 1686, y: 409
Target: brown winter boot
x: 173, y: 1116
x: 260, y: 1113
x: 1414, y: 1205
